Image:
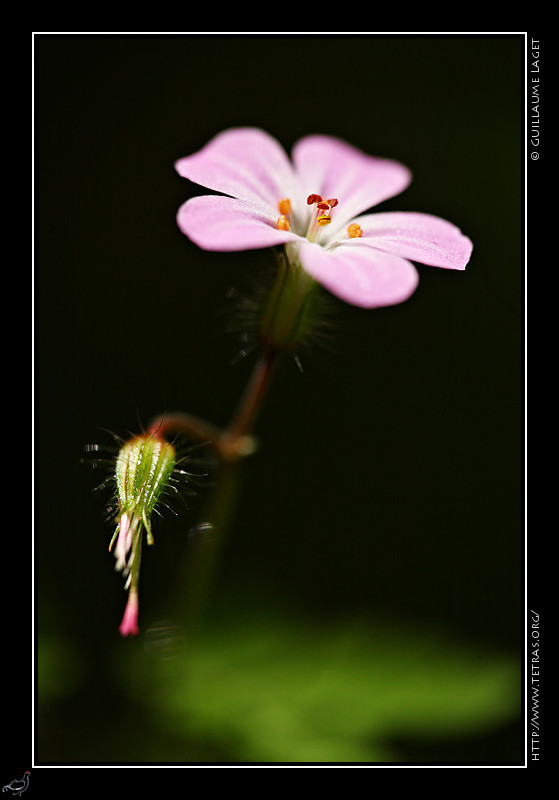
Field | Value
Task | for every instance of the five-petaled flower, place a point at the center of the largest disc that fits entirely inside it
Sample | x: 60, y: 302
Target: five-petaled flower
x: 314, y: 206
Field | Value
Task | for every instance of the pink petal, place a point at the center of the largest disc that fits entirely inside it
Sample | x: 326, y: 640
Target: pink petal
x: 246, y: 163
x: 124, y: 542
x: 214, y: 222
x: 359, y: 274
x: 419, y: 237
x: 332, y: 168
x: 129, y: 624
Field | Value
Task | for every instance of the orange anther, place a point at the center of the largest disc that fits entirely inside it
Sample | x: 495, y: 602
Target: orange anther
x: 284, y: 206
x: 283, y: 223
x: 354, y: 231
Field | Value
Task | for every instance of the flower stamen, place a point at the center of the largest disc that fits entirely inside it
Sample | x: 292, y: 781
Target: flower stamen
x: 284, y: 208
x: 321, y: 217
x: 354, y: 231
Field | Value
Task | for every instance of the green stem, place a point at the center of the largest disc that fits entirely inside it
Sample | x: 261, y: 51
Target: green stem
x: 204, y: 557
x: 230, y: 446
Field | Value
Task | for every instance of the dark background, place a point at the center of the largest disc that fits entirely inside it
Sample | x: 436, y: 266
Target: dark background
x: 390, y: 477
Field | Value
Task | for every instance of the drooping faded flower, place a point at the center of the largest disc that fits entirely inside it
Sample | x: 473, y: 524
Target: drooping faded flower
x: 314, y: 204
x: 143, y: 467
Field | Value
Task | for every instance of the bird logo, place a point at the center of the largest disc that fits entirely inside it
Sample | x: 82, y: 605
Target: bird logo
x: 17, y: 787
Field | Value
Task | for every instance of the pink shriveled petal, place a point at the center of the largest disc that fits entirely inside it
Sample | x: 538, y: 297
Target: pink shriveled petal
x: 129, y: 624
x: 359, y: 274
x: 246, y: 163
x: 124, y: 542
x: 214, y: 222
x: 333, y: 168
x: 419, y: 237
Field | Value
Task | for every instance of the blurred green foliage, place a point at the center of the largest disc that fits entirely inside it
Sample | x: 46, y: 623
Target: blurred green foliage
x: 271, y: 689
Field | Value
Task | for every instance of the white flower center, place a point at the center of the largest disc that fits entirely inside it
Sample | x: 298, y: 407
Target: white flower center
x: 320, y: 215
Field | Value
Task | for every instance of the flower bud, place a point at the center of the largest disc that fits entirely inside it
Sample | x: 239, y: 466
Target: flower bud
x: 143, y: 467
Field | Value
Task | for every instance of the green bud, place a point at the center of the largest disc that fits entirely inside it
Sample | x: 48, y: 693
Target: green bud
x: 143, y: 468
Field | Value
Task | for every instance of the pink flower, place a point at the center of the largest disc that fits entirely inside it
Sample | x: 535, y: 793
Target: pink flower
x: 314, y: 206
